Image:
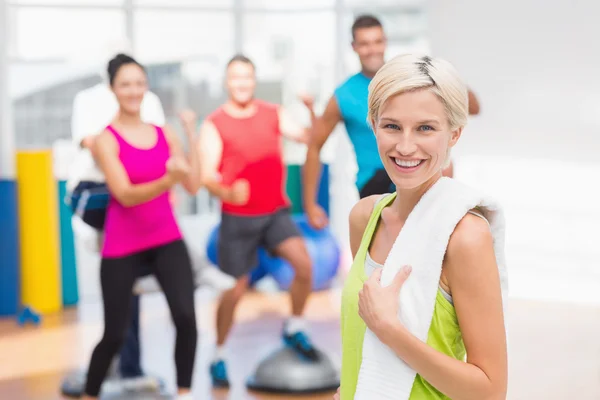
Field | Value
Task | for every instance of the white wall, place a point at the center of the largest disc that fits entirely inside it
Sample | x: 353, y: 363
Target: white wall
x: 534, y: 65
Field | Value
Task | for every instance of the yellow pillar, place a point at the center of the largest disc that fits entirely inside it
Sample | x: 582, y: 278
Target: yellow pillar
x: 38, y: 222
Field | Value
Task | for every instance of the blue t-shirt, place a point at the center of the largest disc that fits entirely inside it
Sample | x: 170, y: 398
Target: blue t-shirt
x: 352, y: 98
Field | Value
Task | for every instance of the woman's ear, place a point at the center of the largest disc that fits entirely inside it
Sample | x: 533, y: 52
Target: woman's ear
x: 373, y: 124
x: 454, y: 136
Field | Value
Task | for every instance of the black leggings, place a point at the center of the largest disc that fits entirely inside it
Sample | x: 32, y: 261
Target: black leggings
x: 172, y: 267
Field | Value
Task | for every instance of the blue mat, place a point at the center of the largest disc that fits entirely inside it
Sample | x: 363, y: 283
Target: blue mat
x: 70, y: 291
x: 10, y: 282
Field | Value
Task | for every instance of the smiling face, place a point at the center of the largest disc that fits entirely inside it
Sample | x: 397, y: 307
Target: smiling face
x: 130, y: 85
x: 369, y: 44
x: 414, y: 138
x: 241, y: 82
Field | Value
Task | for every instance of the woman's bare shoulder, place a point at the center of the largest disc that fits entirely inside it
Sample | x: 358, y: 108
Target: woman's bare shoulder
x: 361, y: 212
x: 471, y: 240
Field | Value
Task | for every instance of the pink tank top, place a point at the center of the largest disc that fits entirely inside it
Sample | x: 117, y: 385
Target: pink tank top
x: 129, y: 230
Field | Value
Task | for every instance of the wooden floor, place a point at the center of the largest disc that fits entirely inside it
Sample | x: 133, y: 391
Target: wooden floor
x: 554, y: 348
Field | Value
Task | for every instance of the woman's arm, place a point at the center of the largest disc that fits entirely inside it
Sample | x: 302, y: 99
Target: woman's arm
x: 472, y: 274
x: 192, y: 182
x: 105, y: 151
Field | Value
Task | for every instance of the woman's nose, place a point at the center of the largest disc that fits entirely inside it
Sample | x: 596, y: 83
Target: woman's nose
x: 406, y: 144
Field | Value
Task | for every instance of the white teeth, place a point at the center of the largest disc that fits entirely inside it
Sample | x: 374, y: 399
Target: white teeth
x: 407, y: 164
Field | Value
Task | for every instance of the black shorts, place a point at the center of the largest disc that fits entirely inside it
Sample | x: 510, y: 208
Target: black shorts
x: 379, y: 183
x: 241, y: 236
x: 89, y: 201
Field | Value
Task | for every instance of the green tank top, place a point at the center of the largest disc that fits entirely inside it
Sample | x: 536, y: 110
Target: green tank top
x: 444, y: 333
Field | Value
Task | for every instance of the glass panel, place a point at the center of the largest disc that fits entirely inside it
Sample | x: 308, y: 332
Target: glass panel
x: 288, y: 4
x: 384, y: 3
x: 42, y: 95
x: 284, y: 49
x: 179, y: 3
x: 11, y: 21
x: 69, y: 2
x: 65, y: 33
x: 179, y: 35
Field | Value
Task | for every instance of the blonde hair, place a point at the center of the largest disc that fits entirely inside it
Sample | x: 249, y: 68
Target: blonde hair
x: 410, y: 72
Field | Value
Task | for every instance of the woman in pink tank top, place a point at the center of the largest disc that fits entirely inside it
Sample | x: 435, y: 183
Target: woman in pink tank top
x: 142, y: 163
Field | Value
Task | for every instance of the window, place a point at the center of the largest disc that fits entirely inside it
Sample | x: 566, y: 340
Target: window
x: 69, y: 2
x: 385, y: 3
x: 288, y: 4
x: 52, y: 33
x: 300, y: 45
x: 184, y: 3
x: 178, y: 35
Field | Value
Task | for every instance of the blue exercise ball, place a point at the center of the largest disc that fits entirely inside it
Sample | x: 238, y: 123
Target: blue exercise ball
x: 321, y: 245
x: 212, y: 253
x: 324, y: 253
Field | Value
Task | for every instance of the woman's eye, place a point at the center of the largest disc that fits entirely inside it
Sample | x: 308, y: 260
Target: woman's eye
x: 391, y: 126
x: 426, y: 128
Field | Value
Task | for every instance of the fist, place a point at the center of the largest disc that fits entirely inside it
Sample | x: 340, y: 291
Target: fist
x: 239, y: 193
x: 188, y: 119
x: 177, y: 168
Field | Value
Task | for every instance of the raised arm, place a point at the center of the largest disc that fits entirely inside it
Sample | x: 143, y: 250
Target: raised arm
x: 322, y: 128
x: 105, y: 151
x: 191, y: 183
x: 292, y: 130
x: 473, y: 104
x: 473, y: 277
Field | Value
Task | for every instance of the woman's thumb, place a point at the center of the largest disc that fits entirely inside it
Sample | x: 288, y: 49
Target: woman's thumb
x: 402, y: 276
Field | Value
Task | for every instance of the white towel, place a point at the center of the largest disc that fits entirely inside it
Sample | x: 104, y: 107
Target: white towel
x: 422, y: 244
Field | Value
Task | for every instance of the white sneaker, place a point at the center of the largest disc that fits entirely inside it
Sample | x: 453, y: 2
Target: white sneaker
x: 214, y: 278
x: 147, y: 284
x: 141, y: 384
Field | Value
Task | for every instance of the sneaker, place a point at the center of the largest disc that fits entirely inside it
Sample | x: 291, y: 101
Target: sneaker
x: 218, y: 374
x: 141, y: 384
x: 215, y: 279
x: 300, y: 342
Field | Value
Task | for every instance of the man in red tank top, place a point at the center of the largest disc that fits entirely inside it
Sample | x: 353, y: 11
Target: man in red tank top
x: 242, y: 164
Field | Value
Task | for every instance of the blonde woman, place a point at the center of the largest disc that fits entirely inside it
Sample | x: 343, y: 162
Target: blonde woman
x: 418, y: 107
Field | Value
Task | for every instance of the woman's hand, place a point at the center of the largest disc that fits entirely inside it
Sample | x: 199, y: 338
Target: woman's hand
x: 336, y: 396
x: 177, y: 168
x: 378, y: 305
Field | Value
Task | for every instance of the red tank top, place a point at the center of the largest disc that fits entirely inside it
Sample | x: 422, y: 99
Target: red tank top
x: 252, y: 150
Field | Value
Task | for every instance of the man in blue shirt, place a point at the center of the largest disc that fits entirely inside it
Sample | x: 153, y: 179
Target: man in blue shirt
x: 349, y: 104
